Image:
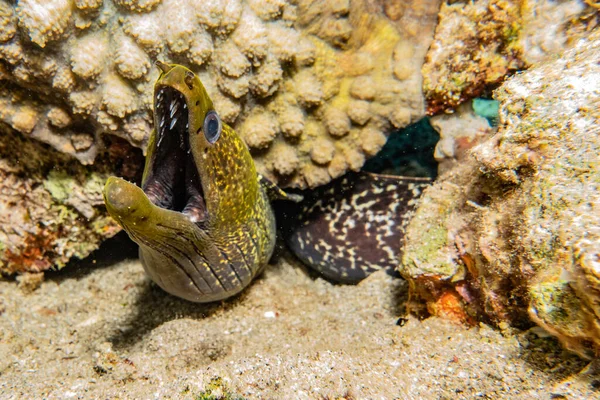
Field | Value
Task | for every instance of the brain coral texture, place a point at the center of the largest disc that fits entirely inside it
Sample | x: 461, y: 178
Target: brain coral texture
x: 313, y: 87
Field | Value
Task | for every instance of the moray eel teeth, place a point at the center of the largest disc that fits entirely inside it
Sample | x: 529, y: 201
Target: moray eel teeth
x: 172, y: 176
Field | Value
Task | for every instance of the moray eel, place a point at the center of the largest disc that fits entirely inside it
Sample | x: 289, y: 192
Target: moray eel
x: 353, y: 226
x: 202, y: 217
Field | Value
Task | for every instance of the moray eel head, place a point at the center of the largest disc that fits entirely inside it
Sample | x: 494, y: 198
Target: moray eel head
x: 172, y: 177
x: 203, y: 222
x: 196, y: 164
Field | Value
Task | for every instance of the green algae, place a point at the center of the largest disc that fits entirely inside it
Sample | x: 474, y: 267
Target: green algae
x: 488, y: 109
x: 557, y: 304
x: 217, y: 390
x: 59, y: 184
x: 428, y: 253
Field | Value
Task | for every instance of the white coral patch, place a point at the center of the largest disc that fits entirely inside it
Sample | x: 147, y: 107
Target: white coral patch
x: 88, y: 57
x: 131, y: 61
x: 44, y: 20
x: 118, y: 98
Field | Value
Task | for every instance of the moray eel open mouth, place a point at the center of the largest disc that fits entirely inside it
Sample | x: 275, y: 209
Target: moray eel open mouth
x: 173, y: 182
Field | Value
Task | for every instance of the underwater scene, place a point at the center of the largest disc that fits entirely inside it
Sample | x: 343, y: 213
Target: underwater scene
x: 299, y: 199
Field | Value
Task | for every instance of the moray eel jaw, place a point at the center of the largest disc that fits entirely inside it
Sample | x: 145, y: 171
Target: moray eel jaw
x: 125, y: 201
x: 171, y: 180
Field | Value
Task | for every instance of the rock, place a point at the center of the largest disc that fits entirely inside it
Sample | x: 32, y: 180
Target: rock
x: 477, y: 44
x: 513, y: 233
x: 51, y: 206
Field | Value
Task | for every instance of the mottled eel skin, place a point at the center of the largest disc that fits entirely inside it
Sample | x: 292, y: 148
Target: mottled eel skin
x: 353, y: 226
x: 202, y: 218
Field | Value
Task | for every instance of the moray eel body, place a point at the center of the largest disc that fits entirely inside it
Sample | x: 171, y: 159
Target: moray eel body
x: 202, y: 218
x: 353, y: 226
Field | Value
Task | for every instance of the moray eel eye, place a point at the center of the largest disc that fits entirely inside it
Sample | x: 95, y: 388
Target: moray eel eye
x: 212, y: 126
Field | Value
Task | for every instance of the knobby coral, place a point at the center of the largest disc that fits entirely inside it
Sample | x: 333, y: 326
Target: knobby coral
x: 295, y: 75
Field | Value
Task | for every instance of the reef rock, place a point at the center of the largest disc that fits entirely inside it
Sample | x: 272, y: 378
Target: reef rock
x: 459, y: 132
x: 51, y: 206
x: 478, y: 43
x: 513, y: 234
x: 290, y: 75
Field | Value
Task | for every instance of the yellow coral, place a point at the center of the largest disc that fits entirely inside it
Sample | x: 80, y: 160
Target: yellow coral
x: 59, y: 117
x: 88, y: 57
x: 231, y: 60
x: 138, y: 5
x: 201, y: 49
x: 234, y: 87
x: 251, y: 36
x: 118, y: 99
x: 372, y: 140
x: 226, y: 107
x: 8, y: 23
x: 308, y: 88
x: 259, y: 129
x: 24, y: 119
x: 358, y: 111
x: 322, y: 151
x: 291, y: 120
x: 337, y: 122
x: 266, y: 78
x: 285, y: 159
x: 131, y: 61
x: 143, y: 28
x: 221, y: 16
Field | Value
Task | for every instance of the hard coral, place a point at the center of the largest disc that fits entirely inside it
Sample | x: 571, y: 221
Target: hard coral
x: 8, y: 23
x: 44, y: 20
x: 515, y: 229
x: 476, y: 45
x: 138, y: 5
x: 330, y: 64
x: 131, y: 61
x: 88, y: 57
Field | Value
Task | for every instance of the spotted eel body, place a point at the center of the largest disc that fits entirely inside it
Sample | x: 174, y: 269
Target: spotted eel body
x: 353, y: 226
x: 203, y: 218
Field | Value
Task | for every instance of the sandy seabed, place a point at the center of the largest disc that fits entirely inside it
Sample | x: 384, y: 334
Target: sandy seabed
x: 99, y: 329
